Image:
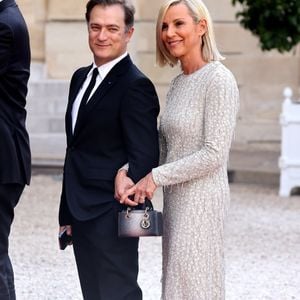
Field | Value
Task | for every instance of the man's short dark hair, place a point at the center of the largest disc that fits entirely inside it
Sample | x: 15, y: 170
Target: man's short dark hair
x: 129, y: 9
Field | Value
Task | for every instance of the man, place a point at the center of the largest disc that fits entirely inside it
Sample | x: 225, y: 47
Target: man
x: 111, y: 119
x: 15, y: 159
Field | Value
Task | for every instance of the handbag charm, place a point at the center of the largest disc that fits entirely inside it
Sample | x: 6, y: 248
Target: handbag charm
x: 145, y: 223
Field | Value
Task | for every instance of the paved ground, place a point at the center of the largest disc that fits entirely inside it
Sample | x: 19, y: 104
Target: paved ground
x: 262, y: 247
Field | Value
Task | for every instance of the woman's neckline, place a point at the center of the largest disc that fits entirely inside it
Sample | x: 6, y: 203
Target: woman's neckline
x: 198, y: 70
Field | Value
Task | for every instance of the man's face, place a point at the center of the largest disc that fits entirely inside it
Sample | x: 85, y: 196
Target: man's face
x: 108, y: 37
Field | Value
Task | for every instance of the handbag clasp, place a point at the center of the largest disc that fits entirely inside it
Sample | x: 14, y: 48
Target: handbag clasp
x: 145, y: 223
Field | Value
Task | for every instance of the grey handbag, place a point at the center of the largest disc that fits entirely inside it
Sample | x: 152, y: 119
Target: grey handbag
x: 140, y: 222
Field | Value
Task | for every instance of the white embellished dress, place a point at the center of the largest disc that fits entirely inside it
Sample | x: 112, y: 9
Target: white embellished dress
x: 196, y: 131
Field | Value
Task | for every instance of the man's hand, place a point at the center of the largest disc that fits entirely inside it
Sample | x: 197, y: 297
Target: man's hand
x: 122, y: 184
x: 68, y: 227
x: 65, y: 236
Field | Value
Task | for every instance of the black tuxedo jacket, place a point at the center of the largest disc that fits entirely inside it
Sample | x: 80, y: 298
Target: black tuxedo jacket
x: 119, y: 125
x: 15, y: 161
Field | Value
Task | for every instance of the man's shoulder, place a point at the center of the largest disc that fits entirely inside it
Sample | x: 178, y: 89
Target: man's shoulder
x: 82, y: 70
x: 10, y: 13
x: 138, y: 72
x: 134, y: 73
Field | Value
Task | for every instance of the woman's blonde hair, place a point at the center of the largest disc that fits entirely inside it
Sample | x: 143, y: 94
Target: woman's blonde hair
x: 198, y: 11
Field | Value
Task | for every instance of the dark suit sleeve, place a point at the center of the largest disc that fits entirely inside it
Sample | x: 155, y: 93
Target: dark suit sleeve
x: 6, y: 39
x: 64, y: 215
x: 139, y: 123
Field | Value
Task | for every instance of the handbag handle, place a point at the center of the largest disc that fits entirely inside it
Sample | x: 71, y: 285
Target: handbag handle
x: 147, y: 205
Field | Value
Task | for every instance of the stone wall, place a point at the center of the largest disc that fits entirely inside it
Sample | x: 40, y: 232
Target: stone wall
x: 59, y: 41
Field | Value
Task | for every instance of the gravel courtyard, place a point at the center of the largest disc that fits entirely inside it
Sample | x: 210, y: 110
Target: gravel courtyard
x: 262, y: 247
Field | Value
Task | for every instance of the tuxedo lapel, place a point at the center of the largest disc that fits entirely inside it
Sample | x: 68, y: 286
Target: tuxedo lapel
x: 108, y: 82
x: 74, y: 90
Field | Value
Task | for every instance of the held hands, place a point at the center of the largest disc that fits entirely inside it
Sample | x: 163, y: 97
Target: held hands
x: 122, y: 184
x: 124, y: 188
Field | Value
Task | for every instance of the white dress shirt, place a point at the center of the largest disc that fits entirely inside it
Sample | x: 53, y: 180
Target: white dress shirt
x: 103, y: 71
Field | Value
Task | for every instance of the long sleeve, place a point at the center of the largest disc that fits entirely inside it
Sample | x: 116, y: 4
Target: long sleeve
x: 220, y: 110
x: 6, y: 41
x: 139, y: 124
x: 64, y: 215
x: 162, y: 149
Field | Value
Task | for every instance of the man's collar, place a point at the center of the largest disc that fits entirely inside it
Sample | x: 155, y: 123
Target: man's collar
x: 104, y: 69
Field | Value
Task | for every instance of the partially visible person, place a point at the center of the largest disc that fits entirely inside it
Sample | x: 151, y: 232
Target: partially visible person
x: 196, y: 131
x: 15, y: 159
x: 111, y: 119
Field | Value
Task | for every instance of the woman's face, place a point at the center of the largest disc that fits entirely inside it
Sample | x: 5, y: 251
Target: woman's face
x: 180, y: 34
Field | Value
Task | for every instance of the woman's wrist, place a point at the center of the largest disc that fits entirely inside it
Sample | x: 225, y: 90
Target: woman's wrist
x: 153, y: 177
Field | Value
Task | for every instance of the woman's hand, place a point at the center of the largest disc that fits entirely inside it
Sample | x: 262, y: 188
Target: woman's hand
x: 145, y: 188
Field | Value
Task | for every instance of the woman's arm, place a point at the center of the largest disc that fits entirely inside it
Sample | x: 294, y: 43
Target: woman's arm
x: 220, y: 118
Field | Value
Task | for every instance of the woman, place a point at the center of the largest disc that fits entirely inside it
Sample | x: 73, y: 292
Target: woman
x: 196, y: 131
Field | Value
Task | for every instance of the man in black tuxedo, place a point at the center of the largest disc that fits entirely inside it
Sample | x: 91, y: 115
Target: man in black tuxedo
x: 15, y: 161
x: 111, y: 119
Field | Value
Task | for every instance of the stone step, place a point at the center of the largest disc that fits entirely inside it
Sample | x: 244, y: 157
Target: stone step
x: 46, y: 106
x: 47, y: 96
x: 45, y: 124
x: 37, y: 71
x: 257, y: 166
x: 48, y: 87
x: 47, y: 148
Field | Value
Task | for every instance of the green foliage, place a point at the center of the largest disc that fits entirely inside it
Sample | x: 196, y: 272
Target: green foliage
x: 275, y: 22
